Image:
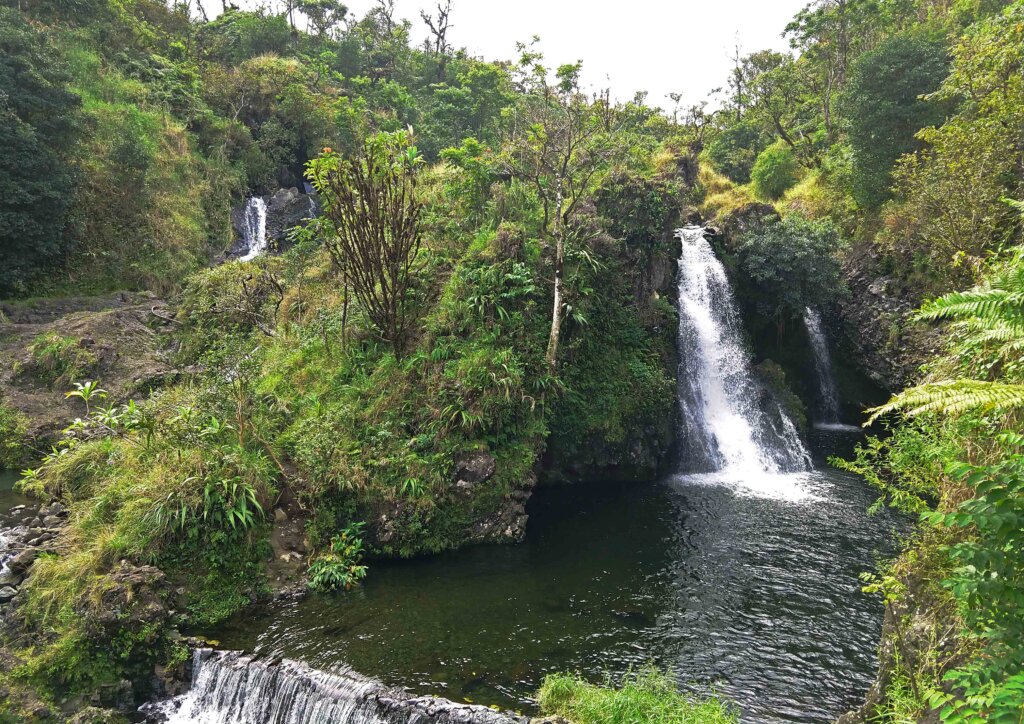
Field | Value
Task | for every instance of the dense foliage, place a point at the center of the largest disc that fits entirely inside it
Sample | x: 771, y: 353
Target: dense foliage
x: 483, y: 301
x: 904, y: 119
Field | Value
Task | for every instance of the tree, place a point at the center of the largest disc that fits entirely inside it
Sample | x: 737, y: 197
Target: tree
x: 439, y: 27
x: 373, y: 216
x: 884, y: 107
x: 828, y: 34
x: 561, y: 148
x: 324, y: 15
x: 734, y: 148
x: 38, y: 126
x: 782, y: 102
x: 790, y: 265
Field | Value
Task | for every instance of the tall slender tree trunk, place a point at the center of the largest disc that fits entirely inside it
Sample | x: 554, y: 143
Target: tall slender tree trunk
x: 556, y: 309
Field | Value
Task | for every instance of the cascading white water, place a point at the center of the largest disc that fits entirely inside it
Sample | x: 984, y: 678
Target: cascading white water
x: 254, y: 227
x: 231, y: 688
x: 828, y: 394
x: 726, y: 426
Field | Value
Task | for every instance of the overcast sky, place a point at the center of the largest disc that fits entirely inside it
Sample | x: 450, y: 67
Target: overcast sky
x: 660, y: 46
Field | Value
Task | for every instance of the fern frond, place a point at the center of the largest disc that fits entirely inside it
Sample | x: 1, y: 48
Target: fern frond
x: 988, y: 304
x: 953, y: 396
x: 1011, y: 336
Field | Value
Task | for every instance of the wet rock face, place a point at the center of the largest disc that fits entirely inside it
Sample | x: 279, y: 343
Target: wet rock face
x: 877, y: 333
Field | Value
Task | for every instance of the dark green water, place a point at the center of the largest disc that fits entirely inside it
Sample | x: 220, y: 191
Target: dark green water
x: 747, y: 587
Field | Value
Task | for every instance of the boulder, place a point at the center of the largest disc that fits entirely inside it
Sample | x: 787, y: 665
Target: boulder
x: 22, y: 561
x: 7, y: 593
x: 476, y: 468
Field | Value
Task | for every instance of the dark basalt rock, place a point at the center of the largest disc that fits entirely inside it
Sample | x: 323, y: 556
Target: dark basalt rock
x: 134, y: 600
x: 476, y: 468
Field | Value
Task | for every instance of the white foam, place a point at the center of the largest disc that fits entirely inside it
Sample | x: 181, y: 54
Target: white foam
x: 787, y: 487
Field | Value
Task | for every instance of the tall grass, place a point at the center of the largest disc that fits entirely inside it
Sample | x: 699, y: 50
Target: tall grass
x: 645, y: 697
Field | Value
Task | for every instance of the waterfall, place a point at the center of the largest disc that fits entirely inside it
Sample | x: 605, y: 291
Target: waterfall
x: 229, y: 687
x: 828, y: 395
x: 254, y: 227
x: 725, y: 425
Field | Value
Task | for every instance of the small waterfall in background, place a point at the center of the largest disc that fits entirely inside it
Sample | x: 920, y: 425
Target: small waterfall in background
x: 229, y: 687
x: 254, y: 227
x: 828, y: 394
x: 725, y: 428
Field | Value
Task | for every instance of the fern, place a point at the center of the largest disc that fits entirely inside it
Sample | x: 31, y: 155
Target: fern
x: 952, y: 397
x: 990, y: 323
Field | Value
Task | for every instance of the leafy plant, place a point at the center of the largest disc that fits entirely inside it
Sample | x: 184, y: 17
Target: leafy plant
x: 339, y: 568
x: 790, y: 265
x: 987, y: 340
x: 988, y: 581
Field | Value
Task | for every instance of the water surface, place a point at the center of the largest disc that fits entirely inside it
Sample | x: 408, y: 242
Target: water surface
x: 747, y: 587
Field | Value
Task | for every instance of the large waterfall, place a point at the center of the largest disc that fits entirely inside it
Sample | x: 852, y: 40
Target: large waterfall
x: 254, y: 228
x: 229, y: 687
x: 729, y: 424
x: 828, y: 394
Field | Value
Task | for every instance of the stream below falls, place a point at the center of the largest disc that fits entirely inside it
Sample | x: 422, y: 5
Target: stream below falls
x: 746, y: 587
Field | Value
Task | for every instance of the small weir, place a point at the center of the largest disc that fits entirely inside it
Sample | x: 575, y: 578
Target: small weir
x: 229, y: 687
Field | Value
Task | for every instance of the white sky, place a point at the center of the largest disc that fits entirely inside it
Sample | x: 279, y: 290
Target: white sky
x: 628, y: 45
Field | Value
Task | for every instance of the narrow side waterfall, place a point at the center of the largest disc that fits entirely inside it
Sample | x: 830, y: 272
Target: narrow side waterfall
x: 828, y: 394
x: 229, y: 687
x: 725, y: 424
x: 254, y: 228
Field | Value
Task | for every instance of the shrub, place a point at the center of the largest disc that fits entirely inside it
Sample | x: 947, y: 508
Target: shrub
x: 775, y: 172
x: 733, y: 151
x: 59, y: 360
x: 339, y: 568
x: 646, y: 697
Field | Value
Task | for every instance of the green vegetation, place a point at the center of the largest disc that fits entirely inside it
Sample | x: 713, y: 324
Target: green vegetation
x: 790, y: 265
x: 645, y: 697
x: 338, y: 568
x: 38, y: 129
x: 483, y: 300
x: 885, y: 104
x: 58, y: 360
x: 13, y: 437
x: 775, y: 172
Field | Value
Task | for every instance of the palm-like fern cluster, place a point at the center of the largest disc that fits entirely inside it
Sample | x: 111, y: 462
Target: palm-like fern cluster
x: 988, y: 335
